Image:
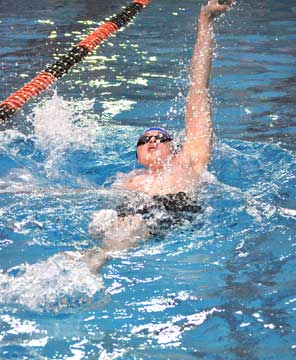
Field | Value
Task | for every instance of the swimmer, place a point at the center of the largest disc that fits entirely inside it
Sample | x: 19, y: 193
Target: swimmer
x: 168, y: 178
x: 166, y: 172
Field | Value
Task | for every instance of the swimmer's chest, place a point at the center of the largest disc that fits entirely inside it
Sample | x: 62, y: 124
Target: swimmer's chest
x: 162, y: 183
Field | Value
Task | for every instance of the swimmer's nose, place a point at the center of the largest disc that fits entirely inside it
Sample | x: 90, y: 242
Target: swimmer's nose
x: 152, y: 139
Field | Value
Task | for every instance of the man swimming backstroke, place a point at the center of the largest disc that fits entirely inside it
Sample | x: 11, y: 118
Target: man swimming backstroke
x: 169, y: 178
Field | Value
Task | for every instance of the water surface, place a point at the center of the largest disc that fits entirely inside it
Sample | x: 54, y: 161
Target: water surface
x: 219, y: 287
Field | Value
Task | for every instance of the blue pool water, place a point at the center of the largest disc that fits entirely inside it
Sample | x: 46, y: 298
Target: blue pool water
x: 219, y: 287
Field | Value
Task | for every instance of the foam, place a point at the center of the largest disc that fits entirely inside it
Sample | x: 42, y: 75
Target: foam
x: 54, y: 285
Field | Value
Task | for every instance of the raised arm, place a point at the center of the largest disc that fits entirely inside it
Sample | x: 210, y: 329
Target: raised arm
x: 198, y: 123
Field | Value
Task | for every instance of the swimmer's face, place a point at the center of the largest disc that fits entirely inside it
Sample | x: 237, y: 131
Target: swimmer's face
x: 153, y: 148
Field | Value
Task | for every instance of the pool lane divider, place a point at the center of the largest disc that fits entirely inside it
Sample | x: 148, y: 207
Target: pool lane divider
x: 53, y: 72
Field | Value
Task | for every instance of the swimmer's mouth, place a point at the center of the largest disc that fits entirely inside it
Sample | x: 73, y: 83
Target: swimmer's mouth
x: 152, y: 147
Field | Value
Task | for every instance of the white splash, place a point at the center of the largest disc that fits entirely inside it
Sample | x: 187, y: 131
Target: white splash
x: 54, y: 285
x: 19, y: 179
x: 60, y: 125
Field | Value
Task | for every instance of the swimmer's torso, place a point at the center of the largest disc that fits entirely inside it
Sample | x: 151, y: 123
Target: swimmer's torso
x: 171, y: 179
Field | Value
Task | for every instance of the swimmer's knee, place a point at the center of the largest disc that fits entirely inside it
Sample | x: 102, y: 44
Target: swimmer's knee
x: 101, y: 222
x: 117, y: 233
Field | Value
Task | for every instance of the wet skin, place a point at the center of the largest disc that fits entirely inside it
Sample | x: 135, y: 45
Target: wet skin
x: 164, y: 171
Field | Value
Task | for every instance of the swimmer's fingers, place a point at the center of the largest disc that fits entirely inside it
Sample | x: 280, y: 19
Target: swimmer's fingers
x: 216, y: 7
x: 223, y: 5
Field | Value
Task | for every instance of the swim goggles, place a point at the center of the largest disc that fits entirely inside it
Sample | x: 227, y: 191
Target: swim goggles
x: 160, y: 137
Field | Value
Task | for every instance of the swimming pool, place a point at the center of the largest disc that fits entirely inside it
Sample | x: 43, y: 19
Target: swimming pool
x: 221, y: 287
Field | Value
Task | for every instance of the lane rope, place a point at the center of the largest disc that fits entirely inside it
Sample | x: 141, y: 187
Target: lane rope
x: 53, y: 72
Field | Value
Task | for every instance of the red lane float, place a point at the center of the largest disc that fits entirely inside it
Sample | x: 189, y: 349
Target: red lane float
x: 52, y: 72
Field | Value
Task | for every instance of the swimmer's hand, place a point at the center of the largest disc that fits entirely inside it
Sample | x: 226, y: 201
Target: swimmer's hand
x: 215, y: 8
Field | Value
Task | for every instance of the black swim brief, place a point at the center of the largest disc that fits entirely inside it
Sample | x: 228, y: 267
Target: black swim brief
x: 161, y: 211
